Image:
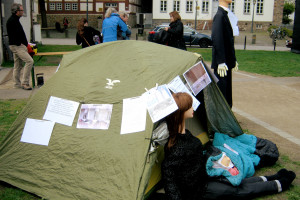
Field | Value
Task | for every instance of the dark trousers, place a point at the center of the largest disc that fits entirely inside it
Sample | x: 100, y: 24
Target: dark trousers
x: 225, y: 85
x: 248, y: 189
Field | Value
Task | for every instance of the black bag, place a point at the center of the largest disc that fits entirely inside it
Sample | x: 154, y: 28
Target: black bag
x: 162, y: 37
x: 267, y: 151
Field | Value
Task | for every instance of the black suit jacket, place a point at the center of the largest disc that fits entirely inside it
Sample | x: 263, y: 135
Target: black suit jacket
x: 15, y: 31
x: 223, y: 42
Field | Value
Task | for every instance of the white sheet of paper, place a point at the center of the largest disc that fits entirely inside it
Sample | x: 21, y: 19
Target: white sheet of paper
x: 133, y: 115
x: 37, y: 131
x: 160, y: 102
x: 176, y: 85
x: 61, y: 111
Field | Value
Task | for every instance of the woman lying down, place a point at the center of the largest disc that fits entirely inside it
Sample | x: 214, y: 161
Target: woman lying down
x: 184, y: 172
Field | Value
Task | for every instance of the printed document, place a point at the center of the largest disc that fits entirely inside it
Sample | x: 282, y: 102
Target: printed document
x: 160, y: 102
x: 176, y: 85
x: 61, y: 111
x: 197, y: 78
x: 94, y: 116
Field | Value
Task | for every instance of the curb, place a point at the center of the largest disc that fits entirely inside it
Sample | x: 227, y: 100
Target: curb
x: 5, y: 74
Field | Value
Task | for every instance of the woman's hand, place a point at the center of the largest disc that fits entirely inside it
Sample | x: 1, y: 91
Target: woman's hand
x: 167, y: 28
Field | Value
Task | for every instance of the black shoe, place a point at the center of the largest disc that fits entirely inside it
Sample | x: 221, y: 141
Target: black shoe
x: 287, y: 180
x: 281, y: 173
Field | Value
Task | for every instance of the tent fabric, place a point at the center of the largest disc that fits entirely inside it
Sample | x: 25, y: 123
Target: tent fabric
x: 87, y: 163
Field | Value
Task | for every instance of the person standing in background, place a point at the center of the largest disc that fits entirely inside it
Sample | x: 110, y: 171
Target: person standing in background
x: 175, y: 30
x: 124, y: 16
x: 65, y: 23
x: 18, y: 45
x: 223, y: 52
x: 85, y: 34
x: 110, y: 25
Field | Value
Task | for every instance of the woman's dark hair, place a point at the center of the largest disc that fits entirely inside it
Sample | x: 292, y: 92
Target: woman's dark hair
x: 175, y: 15
x: 80, y: 26
x: 174, y: 121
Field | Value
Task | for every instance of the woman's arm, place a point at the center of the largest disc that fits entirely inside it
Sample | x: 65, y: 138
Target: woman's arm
x: 95, y: 32
x: 177, y: 29
x: 123, y: 27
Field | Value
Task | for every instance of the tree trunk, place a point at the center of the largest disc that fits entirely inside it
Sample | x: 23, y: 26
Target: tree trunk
x: 43, y: 13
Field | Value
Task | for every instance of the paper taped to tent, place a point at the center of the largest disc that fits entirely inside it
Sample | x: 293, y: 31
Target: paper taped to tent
x: 101, y: 163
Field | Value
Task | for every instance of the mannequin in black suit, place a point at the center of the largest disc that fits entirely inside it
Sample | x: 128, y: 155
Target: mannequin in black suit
x: 223, y: 52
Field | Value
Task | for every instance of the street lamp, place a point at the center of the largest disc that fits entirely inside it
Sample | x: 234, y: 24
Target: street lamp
x: 196, y: 14
x: 254, y: 2
x: 87, y: 10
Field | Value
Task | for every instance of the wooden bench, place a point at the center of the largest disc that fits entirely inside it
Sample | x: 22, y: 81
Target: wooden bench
x: 52, y: 53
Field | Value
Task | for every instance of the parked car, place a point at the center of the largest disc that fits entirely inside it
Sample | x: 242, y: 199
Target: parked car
x: 191, y: 37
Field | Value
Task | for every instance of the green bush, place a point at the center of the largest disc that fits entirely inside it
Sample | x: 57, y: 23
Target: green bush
x: 272, y: 27
x: 288, y: 9
x: 286, y: 20
x: 288, y: 32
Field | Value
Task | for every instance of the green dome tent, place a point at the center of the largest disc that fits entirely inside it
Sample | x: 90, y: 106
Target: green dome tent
x: 104, y: 164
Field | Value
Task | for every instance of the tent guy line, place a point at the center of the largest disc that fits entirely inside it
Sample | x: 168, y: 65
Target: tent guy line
x: 267, y: 126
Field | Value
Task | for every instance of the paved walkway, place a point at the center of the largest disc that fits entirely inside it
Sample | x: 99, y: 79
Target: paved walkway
x: 270, y: 102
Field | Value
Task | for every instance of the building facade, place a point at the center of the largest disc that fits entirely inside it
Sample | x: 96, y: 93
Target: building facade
x: 94, y: 10
x: 263, y: 12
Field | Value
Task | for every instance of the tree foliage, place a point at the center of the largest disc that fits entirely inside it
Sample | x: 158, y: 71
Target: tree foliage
x: 288, y: 9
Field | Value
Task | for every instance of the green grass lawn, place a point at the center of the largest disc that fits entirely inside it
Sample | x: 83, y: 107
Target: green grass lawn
x: 271, y: 63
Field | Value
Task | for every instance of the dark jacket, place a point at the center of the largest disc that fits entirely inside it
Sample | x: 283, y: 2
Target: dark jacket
x: 222, y: 38
x: 120, y: 35
x: 15, y: 31
x: 183, y: 169
x: 88, y: 34
x: 176, y: 35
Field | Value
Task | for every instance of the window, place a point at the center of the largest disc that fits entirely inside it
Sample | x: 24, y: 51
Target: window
x: 231, y: 6
x: 176, y: 6
x: 258, y: 26
x: 247, y: 4
x: 163, y: 6
x: 74, y: 6
x: 52, y: 6
x: 205, y: 6
x: 58, y: 6
x: 189, y: 6
x: 260, y: 7
x: 24, y: 8
x: 67, y: 6
x: 111, y: 5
